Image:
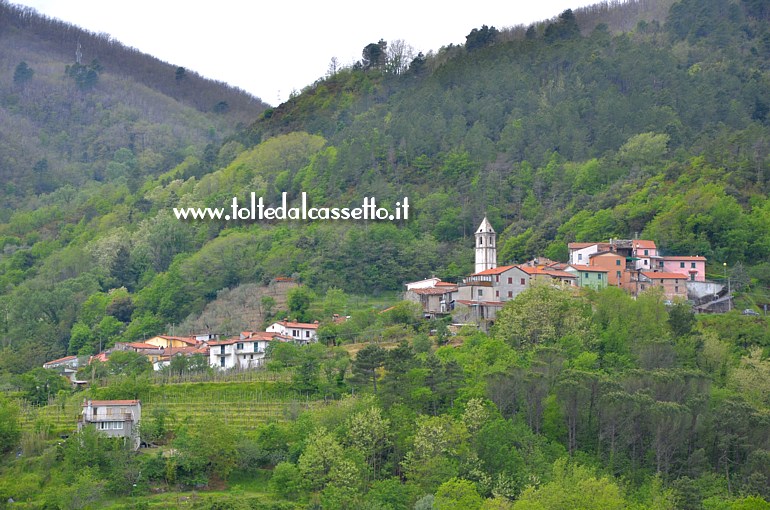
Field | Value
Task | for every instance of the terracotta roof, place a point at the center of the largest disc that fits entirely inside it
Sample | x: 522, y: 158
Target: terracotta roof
x: 102, y: 356
x: 592, y: 269
x: 434, y: 291
x: 546, y: 271
x: 679, y: 257
x: 580, y: 246
x: 186, y: 339
x: 171, y: 351
x: 112, y: 402
x: 228, y: 341
x: 663, y: 276
x: 142, y: 345
x: 300, y: 325
x: 445, y: 284
x: 603, y: 253
x: 494, y: 270
x: 487, y: 303
x: 65, y: 358
x: 643, y: 243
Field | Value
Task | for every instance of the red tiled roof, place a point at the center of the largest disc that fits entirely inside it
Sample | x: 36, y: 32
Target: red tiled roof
x: 542, y: 270
x: 142, y: 345
x: 680, y: 257
x: 487, y: 303
x: 102, y: 356
x: 434, y: 291
x: 592, y: 269
x: 603, y: 253
x: 662, y: 275
x: 171, y: 351
x: 228, y: 341
x: 65, y: 358
x: 643, y: 243
x: 299, y: 325
x: 445, y: 284
x: 111, y: 403
x: 494, y: 270
x: 580, y: 246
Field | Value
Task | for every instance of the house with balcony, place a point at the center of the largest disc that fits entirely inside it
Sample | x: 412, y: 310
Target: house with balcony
x: 692, y: 266
x: 300, y: 332
x: 113, y: 418
x: 244, y: 351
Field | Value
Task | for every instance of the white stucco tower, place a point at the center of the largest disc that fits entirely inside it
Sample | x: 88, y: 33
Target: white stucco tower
x: 486, y: 247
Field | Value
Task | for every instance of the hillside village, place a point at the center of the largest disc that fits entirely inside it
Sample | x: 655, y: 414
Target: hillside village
x: 634, y: 265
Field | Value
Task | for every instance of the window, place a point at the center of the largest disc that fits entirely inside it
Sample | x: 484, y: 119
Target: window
x: 585, y: 275
x: 642, y: 286
x: 580, y: 256
x: 307, y: 334
x: 692, y: 277
x: 646, y: 252
x: 222, y: 361
x: 221, y: 349
x: 294, y: 332
x: 692, y: 265
x: 645, y: 262
x: 481, y: 241
x: 676, y: 289
x: 239, y: 346
x: 497, y: 278
x: 523, y: 282
x: 251, y: 356
x: 617, y: 262
x: 490, y: 241
x: 481, y: 292
x: 111, y: 425
x: 497, y: 293
x: 598, y: 276
x: 510, y: 293
x: 617, y: 275
x: 510, y: 280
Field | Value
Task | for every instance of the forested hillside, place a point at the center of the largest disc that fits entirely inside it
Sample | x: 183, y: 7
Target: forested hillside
x: 78, y: 108
x: 556, y: 134
x: 638, y: 118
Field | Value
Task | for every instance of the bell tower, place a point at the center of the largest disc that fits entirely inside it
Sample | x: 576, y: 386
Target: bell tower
x: 486, y: 247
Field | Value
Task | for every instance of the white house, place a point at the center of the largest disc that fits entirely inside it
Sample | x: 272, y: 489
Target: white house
x: 245, y: 351
x: 300, y: 332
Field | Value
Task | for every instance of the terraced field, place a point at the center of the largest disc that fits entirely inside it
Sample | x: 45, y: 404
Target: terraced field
x: 244, y: 405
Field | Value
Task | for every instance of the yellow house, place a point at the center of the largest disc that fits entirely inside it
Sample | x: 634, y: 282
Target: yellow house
x: 164, y: 341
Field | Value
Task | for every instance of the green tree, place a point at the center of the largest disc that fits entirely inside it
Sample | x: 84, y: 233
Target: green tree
x: 10, y: 431
x: 128, y: 363
x: 40, y: 384
x: 366, y: 363
x: 542, y: 314
x: 22, y: 74
x: 286, y: 480
x: 298, y: 300
x: 457, y: 494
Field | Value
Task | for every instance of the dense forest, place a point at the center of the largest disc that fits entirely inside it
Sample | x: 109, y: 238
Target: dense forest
x: 637, y: 118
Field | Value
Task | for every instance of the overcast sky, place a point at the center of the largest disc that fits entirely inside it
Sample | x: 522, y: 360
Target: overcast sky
x: 272, y: 48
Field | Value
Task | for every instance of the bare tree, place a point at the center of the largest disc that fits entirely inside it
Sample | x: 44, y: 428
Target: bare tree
x: 400, y: 54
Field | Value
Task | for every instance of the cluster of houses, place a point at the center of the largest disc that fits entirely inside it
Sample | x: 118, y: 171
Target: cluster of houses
x: 247, y: 350
x: 634, y: 265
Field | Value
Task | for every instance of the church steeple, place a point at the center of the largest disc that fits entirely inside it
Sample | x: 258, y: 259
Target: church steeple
x: 486, y: 247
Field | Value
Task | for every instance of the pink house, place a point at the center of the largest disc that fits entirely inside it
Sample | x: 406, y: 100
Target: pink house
x: 693, y: 267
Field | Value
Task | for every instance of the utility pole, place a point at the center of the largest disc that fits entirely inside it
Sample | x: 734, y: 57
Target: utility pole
x: 729, y: 298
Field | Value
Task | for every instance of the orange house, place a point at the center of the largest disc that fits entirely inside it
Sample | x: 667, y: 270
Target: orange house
x: 615, y: 265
